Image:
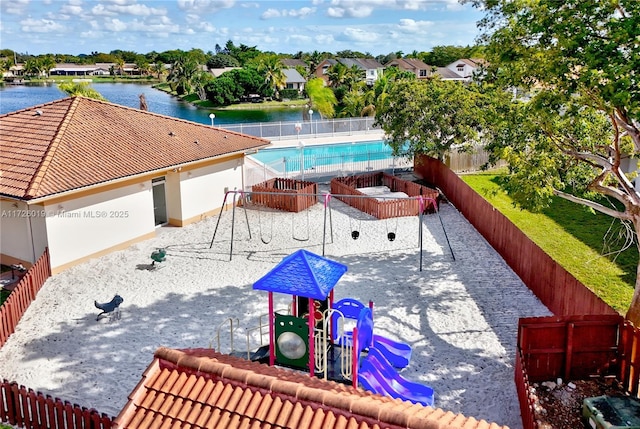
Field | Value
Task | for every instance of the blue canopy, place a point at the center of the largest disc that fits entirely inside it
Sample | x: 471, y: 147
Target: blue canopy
x: 303, y: 273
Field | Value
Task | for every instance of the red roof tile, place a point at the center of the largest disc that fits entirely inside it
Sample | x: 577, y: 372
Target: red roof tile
x: 76, y: 142
x: 199, y: 388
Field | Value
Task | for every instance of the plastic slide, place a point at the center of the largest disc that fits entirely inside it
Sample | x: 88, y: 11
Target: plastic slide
x: 398, y: 354
x: 377, y: 375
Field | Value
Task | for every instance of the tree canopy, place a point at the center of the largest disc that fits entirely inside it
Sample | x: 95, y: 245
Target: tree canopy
x: 578, y: 62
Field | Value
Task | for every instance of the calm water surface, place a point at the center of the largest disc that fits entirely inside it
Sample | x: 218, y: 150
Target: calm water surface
x: 16, y: 97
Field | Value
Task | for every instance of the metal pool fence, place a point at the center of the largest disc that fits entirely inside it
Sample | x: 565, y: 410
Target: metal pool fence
x: 305, y: 129
x: 309, y: 167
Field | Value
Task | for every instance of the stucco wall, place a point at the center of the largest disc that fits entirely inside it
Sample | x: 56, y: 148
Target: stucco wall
x: 202, y: 190
x: 93, y: 223
x: 17, y: 222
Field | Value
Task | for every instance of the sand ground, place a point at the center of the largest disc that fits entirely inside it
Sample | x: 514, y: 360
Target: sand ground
x: 459, y: 313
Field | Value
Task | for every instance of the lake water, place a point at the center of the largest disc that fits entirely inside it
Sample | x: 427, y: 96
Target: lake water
x: 16, y: 97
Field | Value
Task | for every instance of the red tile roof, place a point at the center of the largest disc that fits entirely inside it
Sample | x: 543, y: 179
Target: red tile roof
x: 200, y: 388
x: 76, y: 142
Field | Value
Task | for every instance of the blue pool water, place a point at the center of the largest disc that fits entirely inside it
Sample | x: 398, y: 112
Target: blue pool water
x: 327, y: 154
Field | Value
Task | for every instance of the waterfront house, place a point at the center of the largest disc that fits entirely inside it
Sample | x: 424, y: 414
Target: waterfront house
x: 467, y: 68
x: 85, y: 177
x: 372, y: 68
x: 294, y: 80
x: 413, y: 65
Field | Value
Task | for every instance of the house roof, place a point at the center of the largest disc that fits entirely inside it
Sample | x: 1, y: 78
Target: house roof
x: 292, y: 76
x: 199, y: 388
x: 294, y: 62
x: 446, y: 73
x: 303, y: 273
x: 410, y: 64
x: 78, y: 142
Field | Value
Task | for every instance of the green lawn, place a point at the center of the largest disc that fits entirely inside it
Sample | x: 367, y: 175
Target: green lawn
x: 575, y: 237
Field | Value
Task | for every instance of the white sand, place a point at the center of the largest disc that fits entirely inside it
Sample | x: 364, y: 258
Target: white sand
x: 460, y: 316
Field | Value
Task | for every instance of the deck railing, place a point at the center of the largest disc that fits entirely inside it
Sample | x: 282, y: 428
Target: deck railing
x: 22, y: 295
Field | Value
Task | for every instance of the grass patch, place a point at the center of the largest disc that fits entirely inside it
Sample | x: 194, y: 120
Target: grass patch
x: 575, y: 238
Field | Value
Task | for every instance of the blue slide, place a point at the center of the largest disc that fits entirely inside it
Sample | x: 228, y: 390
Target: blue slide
x: 398, y: 354
x: 377, y: 375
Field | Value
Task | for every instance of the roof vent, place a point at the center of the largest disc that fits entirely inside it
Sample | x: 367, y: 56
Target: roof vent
x: 171, y: 133
x: 38, y: 113
x: 196, y: 142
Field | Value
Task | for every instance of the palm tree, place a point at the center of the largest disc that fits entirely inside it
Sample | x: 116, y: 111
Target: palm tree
x: 47, y: 63
x: 82, y: 89
x: 120, y: 65
x: 337, y: 75
x: 158, y: 68
x: 182, y: 73
x: 271, y: 67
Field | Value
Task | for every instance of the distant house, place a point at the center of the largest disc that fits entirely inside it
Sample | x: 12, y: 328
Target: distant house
x: 63, y: 69
x: 219, y: 71
x: 446, y: 74
x: 292, y: 63
x: 467, y: 68
x: 413, y: 65
x: 372, y: 68
x: 86, y: 177
x: 294, y: 80
x: 199, y: 388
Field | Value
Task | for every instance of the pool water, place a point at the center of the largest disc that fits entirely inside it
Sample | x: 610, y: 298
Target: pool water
x: 327, y: 154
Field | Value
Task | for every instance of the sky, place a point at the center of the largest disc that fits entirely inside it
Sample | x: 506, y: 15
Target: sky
x: 378, y: 27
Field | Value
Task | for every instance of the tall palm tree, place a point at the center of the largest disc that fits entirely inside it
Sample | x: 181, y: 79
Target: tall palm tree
x: 158, y: 68
x: 119, y: 65
x: 272, y: 68
x: 182, y: 73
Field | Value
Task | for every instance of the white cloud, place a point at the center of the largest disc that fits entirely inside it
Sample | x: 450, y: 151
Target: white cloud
x: 358, y: 11
x: 115, y: 25
x: 207, y: 27
x: 270, y: 14
x: 40, y: 26
x: 15, y: 7
x: 302, y: 13
x: 358, y: 35
x: 364, y: 8
x: 205, y: 5
x: 71, y: 9
x: 101, y: 10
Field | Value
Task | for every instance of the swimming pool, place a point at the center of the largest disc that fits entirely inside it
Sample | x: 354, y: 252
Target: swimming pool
x: 319, y: 155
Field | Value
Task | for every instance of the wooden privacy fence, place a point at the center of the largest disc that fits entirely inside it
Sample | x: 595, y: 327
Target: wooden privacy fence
x: 562, y: 293
x: 285, y: 194
x: 26, y: 408
x: 382, y: 208
x: 21, y: 297
x: 574, y: 348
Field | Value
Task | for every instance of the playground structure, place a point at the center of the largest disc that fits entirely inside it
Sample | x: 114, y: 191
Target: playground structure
x: 424, y: 200
x: 314, y: 337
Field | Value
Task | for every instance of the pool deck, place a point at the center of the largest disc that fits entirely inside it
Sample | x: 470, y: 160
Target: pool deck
x: 373, y: 135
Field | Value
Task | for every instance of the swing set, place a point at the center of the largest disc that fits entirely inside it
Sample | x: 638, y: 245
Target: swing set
x: 244, y: 197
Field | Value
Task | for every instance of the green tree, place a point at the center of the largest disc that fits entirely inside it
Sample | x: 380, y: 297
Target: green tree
x: 579, y: 61
x: 271, y: 67
x: 430, y: 116
x: 323, y: 100
x: 158, y: 68
x: 80, y: 89
x: 182, y: 73
x: 219, y: 61
x: 47, y: 63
